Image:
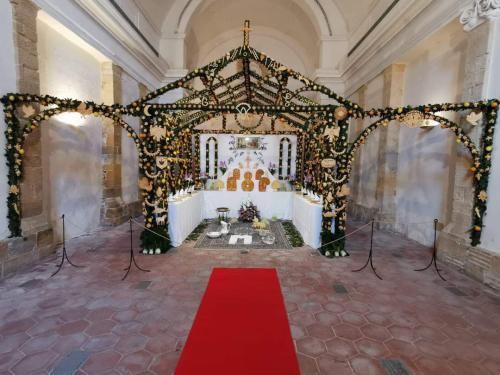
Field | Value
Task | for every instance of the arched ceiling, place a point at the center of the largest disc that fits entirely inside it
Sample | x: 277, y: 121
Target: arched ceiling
x: 352, y: 12
x: 289, y: 30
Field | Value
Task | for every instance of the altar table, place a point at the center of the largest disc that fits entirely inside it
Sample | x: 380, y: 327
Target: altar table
x: 307, y: 218
x: 185, y: 215
x: 271, y: 203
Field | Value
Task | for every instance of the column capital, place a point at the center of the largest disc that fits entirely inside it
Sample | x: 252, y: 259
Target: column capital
x: 478, y: 12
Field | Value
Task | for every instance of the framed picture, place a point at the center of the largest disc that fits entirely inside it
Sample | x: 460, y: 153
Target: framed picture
x: 247, y: 143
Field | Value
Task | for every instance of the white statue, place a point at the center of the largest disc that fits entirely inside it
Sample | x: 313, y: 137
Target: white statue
x: 478, y: 12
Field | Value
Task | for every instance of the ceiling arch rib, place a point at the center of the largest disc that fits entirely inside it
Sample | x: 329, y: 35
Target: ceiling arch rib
x: 319, y: 12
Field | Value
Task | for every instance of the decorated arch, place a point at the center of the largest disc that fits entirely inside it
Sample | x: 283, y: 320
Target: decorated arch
x: 260, y: 89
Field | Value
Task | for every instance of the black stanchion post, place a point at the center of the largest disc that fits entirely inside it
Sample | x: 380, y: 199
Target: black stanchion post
x: 434, y: 254
x: 370, y: 255
x: 64, y: 253
x: 132, y: 257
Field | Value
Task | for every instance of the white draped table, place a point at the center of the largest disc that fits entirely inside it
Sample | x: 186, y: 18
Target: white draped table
x: 269, y: 203
x: 307, y: 219
x: 185, y: 215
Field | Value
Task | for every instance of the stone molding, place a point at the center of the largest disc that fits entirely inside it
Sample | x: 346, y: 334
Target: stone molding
x: 478, y: 12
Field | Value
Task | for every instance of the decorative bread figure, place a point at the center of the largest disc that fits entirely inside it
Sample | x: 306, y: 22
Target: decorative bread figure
x: 258, y: 174
x: 247, y: 184
x: 231, y: 184
x: 263, y: 183
x: 236, y: 173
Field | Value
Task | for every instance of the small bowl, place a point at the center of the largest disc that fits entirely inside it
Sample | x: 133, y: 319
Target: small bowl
x: 213, y: 234
x: 269, y: 239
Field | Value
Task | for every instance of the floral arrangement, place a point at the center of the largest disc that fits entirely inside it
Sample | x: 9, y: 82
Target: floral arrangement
x: 188, y: 180
x: 222, y: 167
x: 272, y: 168
x: 308, y: 181
x: 248, y: 212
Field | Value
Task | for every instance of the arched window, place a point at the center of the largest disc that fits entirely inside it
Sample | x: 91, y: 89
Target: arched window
x: 215, y: 160
x: 288, y: 157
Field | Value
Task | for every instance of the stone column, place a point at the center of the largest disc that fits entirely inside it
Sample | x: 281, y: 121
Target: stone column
x: 113, y: 209
x: 454, y: 244
x: 38, y: 237
x: 389, y: 148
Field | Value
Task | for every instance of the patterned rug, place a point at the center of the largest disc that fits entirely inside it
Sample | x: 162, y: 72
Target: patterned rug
x: 205, y: 242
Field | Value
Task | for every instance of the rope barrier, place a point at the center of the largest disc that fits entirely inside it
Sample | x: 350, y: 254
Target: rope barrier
x: 142, y: 226
x: 323, y: 245
x: 347, y: 235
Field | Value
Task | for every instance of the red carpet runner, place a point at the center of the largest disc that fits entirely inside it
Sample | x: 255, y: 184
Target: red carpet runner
x: 241, y: 327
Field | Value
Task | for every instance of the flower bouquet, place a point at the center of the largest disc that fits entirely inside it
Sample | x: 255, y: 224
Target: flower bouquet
x: 248, y: 212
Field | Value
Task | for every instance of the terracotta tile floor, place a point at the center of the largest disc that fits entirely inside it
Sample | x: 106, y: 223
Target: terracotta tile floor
x: 409, y: 315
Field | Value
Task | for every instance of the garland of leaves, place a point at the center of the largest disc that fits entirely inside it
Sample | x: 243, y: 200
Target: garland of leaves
x: 166, y: 130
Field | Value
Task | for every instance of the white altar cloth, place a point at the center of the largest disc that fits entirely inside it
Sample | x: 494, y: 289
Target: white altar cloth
x: 184, y: 216
x: 307, y: 218
x: 270, y: 203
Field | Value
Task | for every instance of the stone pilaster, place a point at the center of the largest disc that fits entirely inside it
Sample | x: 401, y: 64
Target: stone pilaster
x: 38, y: 238
x: 113, y: 209
x: 454, y: 244
x: 394, y: 81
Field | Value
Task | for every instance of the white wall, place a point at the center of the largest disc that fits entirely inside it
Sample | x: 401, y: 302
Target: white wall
x: 71, y: 154
x: 270, y: 154
x: 426, y: 161
x: 491, y: 238
x: 130, y: 161
x: 7, y: 84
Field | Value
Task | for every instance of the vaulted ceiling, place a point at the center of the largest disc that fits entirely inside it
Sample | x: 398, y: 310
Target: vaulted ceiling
x: 353, y: 12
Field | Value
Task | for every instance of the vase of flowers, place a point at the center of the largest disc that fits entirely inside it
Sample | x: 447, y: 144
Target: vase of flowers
x: 248, y: 212
x: 188, y: 181
x: 272, y: 168
x: 222, y: 167
x: 308, y: 182
x: 203, y: 178
x: 291, y: 180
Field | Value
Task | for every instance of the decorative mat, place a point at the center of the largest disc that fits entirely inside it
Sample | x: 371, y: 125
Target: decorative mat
x: 205, y: 242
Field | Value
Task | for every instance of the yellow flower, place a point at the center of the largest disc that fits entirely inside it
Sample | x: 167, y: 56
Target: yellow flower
x: 482, y: 196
